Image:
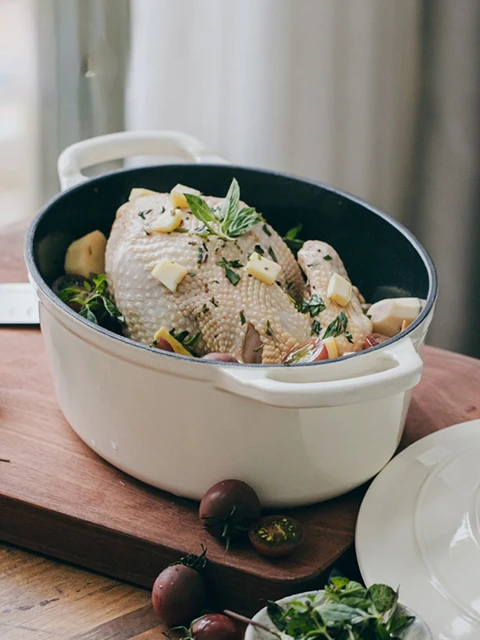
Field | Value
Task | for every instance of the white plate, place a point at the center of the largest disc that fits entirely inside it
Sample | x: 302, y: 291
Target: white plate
x: 419, y: 527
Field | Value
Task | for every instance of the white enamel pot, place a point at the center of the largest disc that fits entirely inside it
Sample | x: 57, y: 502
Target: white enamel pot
x: 297, y: 434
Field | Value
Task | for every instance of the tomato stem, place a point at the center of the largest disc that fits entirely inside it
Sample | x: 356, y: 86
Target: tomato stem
x: 254, y: 623
x: 198, y: 563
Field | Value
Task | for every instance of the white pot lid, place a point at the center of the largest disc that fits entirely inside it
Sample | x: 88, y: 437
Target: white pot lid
x: 419, y: 527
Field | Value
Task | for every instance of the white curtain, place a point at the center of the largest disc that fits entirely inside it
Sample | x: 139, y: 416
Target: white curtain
x: 320, y: 88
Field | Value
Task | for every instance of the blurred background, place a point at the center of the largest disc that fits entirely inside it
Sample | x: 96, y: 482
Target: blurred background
x: 380, y: 98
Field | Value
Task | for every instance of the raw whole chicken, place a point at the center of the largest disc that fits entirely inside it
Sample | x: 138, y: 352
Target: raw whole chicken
x: 228, y: 309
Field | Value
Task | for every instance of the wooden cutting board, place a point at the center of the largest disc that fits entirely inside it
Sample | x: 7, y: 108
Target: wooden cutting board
x: 59, y: 498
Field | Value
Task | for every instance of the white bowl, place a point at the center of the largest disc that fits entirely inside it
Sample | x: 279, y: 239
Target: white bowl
x: 418, y: 630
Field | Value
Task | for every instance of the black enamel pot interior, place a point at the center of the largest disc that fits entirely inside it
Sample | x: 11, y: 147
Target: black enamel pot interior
x: 382, y: 257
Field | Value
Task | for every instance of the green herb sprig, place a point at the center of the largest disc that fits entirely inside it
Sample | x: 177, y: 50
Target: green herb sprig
x: 93, y: 300
x: 337, y: 327
x: 291, y: 237
x: 227, y: 222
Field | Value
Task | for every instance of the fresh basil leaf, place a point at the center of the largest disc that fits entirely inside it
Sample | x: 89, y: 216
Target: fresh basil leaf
x: 337, y: 615
x: 230, y: 204
x: 382, y: 597
x: 68, y: 293
x: 399, y: 623
x: 112, y: 310
x: 293, y: 232
x: 88, y: 314
x: 275, y: 613
x: 291, y: 237
x: 201, y: 211
x: 244, y: 220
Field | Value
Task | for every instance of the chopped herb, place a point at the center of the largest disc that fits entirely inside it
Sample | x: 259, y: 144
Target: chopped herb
x: 186, y: 339
x: 288, y: 284
x: 266, y: 230
x: 191, y: 340
x: 191, y: 243
x: 327, y: 257
x: 205, y: 309
x: 192, y: 274
x: 291, y: 237
x: 147, y: 233
x: 181, y: 230
x: 271, y: 253
x: 368, y: 316
x: 230, y: 274
x: 259, y: 249
x: 314, y: 306
x: 202, y: 254
x: 215, y: 281
x: 94, y: 302
x: 338, y: 327
x: 242, y: 317
x: 268, y: 330
x: 142, y: 214
x: 316, y: 328
x: 214, y: 302
x: 230, y: 221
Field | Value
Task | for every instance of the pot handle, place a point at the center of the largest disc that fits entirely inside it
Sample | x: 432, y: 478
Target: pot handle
x: 114, y: 146
x: 401, y: 369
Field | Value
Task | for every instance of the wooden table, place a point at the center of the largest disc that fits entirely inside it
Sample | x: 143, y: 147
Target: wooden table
x: 42, y: 599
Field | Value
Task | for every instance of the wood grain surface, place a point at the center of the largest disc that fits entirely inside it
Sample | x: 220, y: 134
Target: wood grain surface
x: 58, y: 497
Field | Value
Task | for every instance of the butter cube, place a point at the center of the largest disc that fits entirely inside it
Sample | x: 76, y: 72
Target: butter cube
x: 262, y: 268
x: 331, y: 346
x: 167, y: 221
x: 339, y: 290
x: 139, y: 193
x: 173, y: 342
x: 178, y: 198
x: 169, y: 273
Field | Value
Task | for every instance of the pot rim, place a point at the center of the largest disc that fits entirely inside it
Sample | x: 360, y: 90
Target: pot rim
x: 47, y: 291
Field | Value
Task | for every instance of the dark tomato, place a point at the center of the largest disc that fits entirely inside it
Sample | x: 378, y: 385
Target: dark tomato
x: 312, y: 350
x: 374, y: 339
x: 228, y: 509
x: 164, y: 345
x: 220, y: 357
x: 72, y: 282
x: 179, y: 594
x: 276, y: 536
x: 215, y: 626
